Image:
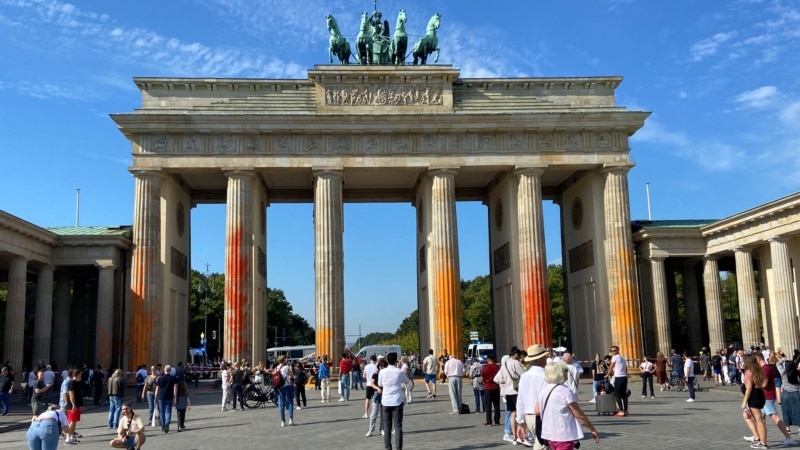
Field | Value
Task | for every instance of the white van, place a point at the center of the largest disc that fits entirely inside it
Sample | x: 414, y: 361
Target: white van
x: 480, y: 351
x: 380, y: 350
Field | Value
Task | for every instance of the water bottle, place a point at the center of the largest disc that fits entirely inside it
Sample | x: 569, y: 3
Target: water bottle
x: 747, y: 412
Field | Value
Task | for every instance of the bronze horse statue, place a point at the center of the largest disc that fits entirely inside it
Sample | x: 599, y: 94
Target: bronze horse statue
x: 364, y: 41
x: 399, y: 44
x: 428, y: 43
x: 338, y: 44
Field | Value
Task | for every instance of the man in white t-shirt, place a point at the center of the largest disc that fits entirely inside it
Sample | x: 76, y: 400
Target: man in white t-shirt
x: 619, y: 369
x: 688, y: 373
x: 430, y: 366
x: 369, y: 371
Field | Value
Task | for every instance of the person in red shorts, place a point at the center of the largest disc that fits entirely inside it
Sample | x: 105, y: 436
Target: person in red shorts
x: 75, y: 395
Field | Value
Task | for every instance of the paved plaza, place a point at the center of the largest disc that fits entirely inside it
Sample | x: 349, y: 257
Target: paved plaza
x: 666, y: 422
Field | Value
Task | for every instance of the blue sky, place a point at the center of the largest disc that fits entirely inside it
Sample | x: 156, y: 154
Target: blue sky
x: 721, y: 80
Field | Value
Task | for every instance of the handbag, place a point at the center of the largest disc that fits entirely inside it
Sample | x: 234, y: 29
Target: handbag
x: 538, y: 420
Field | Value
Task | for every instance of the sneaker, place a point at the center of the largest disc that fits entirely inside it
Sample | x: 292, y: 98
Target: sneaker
x: 652, y: 396
x: 644, y: 396
x: 381, y: 432
x: 757, y: 445
x: 592, y: 401
x: 429, y: 396
x: 620, y: 414
x: 364, y: 417
x: 291, y: 421
x: 788, y: 441
x: 508, y: 438
x: 749, y: 438
x: 341, y: 399
x: 283, y: 424
x: 369, y: 433
x: 299, y: 407
x: 524, y: 442
x: 689, y: 400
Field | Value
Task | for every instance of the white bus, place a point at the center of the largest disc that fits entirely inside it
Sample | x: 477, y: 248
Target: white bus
x: 293, y: 353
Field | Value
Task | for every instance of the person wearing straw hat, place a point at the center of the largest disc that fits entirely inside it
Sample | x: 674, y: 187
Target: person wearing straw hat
x: 530, y: 384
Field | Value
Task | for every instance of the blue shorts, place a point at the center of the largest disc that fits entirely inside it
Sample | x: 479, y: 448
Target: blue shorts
x: 778, y: 382
x: 769, y: 408
x: 430, y: 378
x: 717, y: 371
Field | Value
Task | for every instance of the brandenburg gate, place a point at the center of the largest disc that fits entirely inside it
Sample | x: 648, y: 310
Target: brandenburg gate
x: 415, y: 134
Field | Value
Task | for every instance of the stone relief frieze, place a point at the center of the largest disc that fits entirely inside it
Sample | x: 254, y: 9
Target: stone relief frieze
x: 383, y: 95
x: 378, y: 144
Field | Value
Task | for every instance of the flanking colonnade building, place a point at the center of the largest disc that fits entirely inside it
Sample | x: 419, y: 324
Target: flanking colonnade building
x: 419, y: 135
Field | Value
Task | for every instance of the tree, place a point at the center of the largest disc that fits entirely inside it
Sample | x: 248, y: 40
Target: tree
x: 476, y: 299
x: 284, y: 327
x: 559, y: 318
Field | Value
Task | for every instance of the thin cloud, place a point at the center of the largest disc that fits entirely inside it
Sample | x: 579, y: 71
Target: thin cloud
x: 707, y: 47
x: 757, y: 98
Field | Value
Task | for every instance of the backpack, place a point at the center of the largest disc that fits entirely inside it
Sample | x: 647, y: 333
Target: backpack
x: 277, y: 379
x: 790, y: 369
x: 139, y: 378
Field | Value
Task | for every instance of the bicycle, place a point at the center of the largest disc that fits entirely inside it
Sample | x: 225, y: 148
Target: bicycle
x: 677, y: 382
x: 255, y: 397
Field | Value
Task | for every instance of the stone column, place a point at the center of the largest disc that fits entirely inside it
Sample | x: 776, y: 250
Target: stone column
x: 61, y: 339
x: 329, y: 262
x: 661, y: 304
x: 146, y: 269
x: 748, y: 302
x: 691, y: 300
x: 105, y: 313
x: 534, y: 295
x: 626, y: 321
x: 43, y: 321
x: 716, y: 322
x: 15, y: 312
x: 782, y: 299
x: 238, y: 265
x: 444, y: 267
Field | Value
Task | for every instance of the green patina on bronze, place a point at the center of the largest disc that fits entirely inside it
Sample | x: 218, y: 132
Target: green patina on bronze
x: 376, y: 46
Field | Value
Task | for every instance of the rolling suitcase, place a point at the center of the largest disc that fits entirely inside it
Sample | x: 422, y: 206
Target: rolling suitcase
x: 605, y: 404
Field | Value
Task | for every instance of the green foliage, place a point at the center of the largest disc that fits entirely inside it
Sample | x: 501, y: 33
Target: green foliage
x: 476, y: 299
x: 730, y: 307
x: 558, y: 307
x: 290, y: 328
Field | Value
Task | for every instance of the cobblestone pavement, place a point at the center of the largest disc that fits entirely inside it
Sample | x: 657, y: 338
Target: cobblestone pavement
x: 665, y: 422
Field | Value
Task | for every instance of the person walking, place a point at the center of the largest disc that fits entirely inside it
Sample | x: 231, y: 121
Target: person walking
x: 406, y: 387
x: 391, y: 381
x: 560, y: 413
x: 376, y: 405
x: 454, y: 371
x: 149, y: 392
x: 6, y: 388
x: 116, y: 392
x: 688, y: 373
x: 430, y: 366
x: 182, y: 403
x: 491, y: 391
x: 369, y: 370
x: 45, y: 429
x: 769, y: 410
x: 753, y: 402
x: 661, y: 371
x: 141, y: 376
x: 648, y: 369
x: 237, y: 381
x: 345, y: 374
x: 130, y: 432
x: 285, y: 391
x: 40, y: 390
x: 300, y: 380
x: 475, y: 370
x: 166, y: 393
x: 531, y: 384
x: 225, y: 377
x: 598, y: 375
x: 74, y: 405
x: 619, y: 369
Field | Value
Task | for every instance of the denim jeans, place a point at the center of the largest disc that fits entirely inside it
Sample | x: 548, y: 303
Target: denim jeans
x: 5, y: 403
x: 43, y: 435
x: 114, y: 410
x: 344, y: 382
x: 238, y: 395
x: 479, y: 400
x: 165, y: 412
x: 151, y: 404
x: 285, y: 394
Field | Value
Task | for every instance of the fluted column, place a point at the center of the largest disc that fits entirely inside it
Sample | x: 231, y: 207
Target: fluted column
x: 43, y: 320
x: 661, y: 304
x: 782, y: 299
x: 105, y: 314
x: 626, y: 329
x: 146, y: 272
x: 15, y: 312
x: 716, y: 322
x: 691, y: 300
x: 534, y: 295
x: 445, y: 271
x: 238, y: 265
x: 61, y: 339
x: 329, y: 262
x: 749, y: 310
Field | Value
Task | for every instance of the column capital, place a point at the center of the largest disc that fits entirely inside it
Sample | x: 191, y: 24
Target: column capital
x: 529, y: 170
x: 656, y: 258
x: 745, y: 250
x: 617, y: 168
x: 710, y: 257
x: 18, y: 259
x: 232, y: 172
x: 327, y: 171
x: 434, y: 171
x: 156, y: 174
x: 105, y: 264
x: 778, y: 240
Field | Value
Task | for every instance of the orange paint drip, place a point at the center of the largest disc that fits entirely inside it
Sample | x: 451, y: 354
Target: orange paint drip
x: 536, y: 323
x: 448, y: 309
x: 325, y: 344
x: 236, y: 295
